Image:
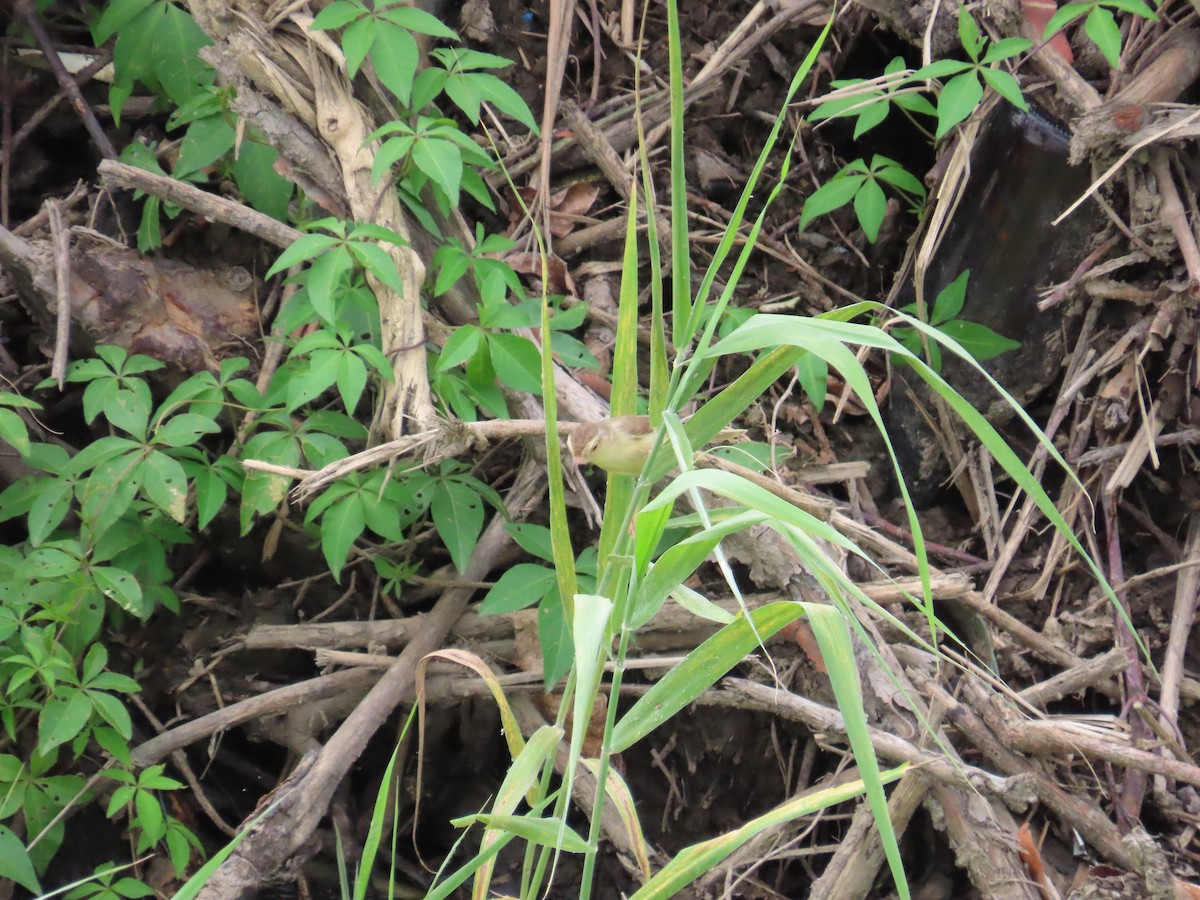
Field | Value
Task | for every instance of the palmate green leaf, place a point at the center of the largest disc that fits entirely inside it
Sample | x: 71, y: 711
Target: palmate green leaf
x: 517, y: 362
x: 702, y: 668
x: 13, y: 431
x: 395, y: 56
x: 1134, y: 7
x: 122, y: 588
x: 1006, y: 48
x: 126, y: 408
x: 1102, y: 28
x: 165, y: 484
x: 941, y: 68
x: 378, y: 262
x: 442, y: 162
x: 833, y: 194
x: 458, y: 517
x: 116, y: 15
x: 108, y: 492
x: 978, y: 340
x: 522, y: 585
x: 306, y: 247
x: 336, y: 15
x: 51, y: 506
x: 357, y: 39
x: 351, y: 379
x: 1006, y: 86
x: 968, y: 33
x: 870, y: 206
x: 341, y: 526
x: 177, y: 63
x: 313, y: 380
x: 15, y: 863
x: 950, y: 299
x: 463, y: 343
x: 112, y: 711
x: 206, y: 141
x: 415, y: 19
x: 554, y: 639
x: 893, y: 173
x: 185, y: 429
x: 959, y: 98
x: 1066, y: 14
x: 325, y: 277
x: 61, y: 719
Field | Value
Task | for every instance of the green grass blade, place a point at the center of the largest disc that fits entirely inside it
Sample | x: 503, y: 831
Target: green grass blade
x: 681, y: 263
x: 692, y: 862
x: 700, y: 670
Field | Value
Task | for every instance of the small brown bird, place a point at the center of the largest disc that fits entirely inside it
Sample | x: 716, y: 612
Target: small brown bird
x: 621, y: 444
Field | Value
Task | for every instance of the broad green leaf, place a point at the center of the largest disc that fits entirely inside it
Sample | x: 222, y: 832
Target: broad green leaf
x: 165, y: 484
x: 61, y: 719
x: 53, y: 502
x: 185, y: 429
x: 325, y: 277
x: 113, y: 712
x: 336, y: 15
x: 870, y: 205
x: 463, y: 343
x: 15, y: 863
x: 379, y: 263
x: 340, y: 528
x: 13, y: 431
x: 177, y: 63
x: 351, y: 380
x: 117, y: 15
x: 1006, y: 86
x: 395, y: 55
x: 211, y: 493
x: 458, y: 517
x: 122, y: 588
x: 442, y: 162
x: 306, y: 247
x: 1065, y: 14
x: 517, y: 362
x: 357, y: 39
x: 264, y: 188
x: 959, y: 98
x: 518, y: 587
x: 1102, y: 28
x: 978, y: 340
x: 416, y: 19
x: 833, y: 194
x: 950, y: 299
x: 206, y: 141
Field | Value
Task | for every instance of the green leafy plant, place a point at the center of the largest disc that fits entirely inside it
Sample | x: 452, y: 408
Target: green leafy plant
x: 859, y: 183
x: 981, y: 342
x: 869, y: 102
x: 962, y: 93
x: 1099, y: 23
x: 157, y: 45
